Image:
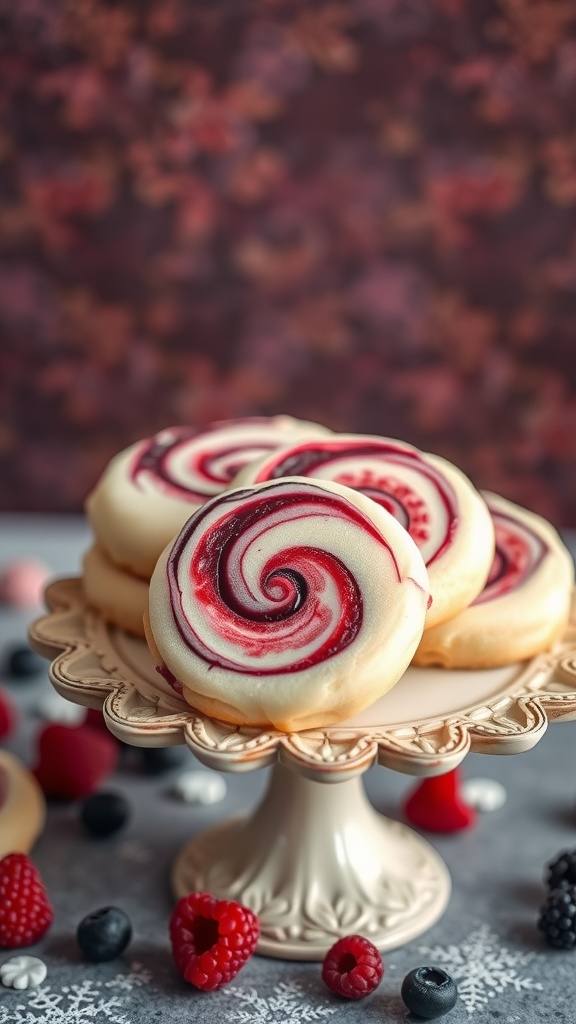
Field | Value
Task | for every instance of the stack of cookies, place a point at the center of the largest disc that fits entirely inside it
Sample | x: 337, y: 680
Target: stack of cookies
x: 150, y: 489
x: 286, y: 576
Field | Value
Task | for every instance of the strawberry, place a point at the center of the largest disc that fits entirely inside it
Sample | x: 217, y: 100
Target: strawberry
x: 211, y: 939
x: 25, y: 911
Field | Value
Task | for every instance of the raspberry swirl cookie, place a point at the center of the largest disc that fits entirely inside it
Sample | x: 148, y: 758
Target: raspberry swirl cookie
x: 148, y: 491
x: 293, y: 604
x: 433, y: 501
x: 524, y: 606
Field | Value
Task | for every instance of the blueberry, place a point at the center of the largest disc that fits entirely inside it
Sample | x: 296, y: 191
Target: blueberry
x: 157, y: 760
x: 21, y: 662
x: 104, y: 934
x: 429, y: 992
x: 104, y: 813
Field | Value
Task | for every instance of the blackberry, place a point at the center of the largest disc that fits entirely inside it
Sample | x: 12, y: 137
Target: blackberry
x: 557, y: 919
x: 561, y: 872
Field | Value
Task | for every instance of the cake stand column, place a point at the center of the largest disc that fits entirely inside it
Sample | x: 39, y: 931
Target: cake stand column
x: 316, y: 862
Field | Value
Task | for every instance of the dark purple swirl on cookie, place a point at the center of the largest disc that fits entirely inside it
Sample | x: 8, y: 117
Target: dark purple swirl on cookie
x: 396, y: 476
x: 519, y: 552
x: 245, y: 583
x: 192, y: 466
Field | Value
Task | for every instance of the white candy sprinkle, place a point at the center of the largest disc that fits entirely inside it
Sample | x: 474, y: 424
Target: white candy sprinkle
x: 199, y: 787
x: 484, y: 794
x: 23, y: 972
x: 54, y: 708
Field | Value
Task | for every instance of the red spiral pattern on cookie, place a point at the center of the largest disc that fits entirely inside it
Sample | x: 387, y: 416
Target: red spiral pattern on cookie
x: 396, y: 476
x: 193, y: 465
x: 519, y: 552
x: 247, y: 597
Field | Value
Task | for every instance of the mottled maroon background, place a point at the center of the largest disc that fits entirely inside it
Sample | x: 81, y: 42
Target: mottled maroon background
x: 362, y: 213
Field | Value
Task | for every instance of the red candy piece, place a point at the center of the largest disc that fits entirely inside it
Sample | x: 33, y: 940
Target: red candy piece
x: 211, y: 939
x: 353, y: 967
x: 7, y: 715
x: 436, y: 806
x: 25, y: 910
x: 22, y: 583
x: 74, y: 760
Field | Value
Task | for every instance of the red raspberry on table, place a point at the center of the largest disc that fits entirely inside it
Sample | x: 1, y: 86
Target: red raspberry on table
x: 73, y: 760
x: 7, y: 714
x: 25, y: 911
x: 211, y: 939
x: 352, y: 967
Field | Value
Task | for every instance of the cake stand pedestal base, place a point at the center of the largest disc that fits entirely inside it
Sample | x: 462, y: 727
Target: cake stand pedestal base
x: 317, y: 862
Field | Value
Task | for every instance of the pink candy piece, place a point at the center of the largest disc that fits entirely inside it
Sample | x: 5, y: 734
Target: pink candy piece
x: 22, y: 583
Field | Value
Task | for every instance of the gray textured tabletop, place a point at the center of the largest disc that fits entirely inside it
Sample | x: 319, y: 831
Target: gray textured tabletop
x: 486, y: 939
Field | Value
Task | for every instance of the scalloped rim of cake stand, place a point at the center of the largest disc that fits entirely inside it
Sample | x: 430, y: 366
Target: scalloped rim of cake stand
x: 97, y: 665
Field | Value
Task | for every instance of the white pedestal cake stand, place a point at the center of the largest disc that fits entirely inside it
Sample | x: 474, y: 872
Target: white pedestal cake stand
x: 314, y: 861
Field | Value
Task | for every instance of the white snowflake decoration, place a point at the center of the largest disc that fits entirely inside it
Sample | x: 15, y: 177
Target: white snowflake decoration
x: 288, y: 1004
x: 75, y: 1004
x: 482, y: 967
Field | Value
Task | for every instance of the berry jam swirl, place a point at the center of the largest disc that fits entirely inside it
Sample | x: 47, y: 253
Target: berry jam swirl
x: 192, y: 466
x: 519, y: 552
x: 396, y: 476
x: 255, y: 587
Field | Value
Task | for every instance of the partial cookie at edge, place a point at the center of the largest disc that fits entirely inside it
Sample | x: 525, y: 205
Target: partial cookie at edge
x: 500, y: 628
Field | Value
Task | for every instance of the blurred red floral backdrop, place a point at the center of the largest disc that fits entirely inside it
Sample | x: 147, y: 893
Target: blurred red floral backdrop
x: 359, y: 212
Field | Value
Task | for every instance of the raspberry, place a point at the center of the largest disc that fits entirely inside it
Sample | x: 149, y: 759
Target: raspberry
x: 211, y: 939
x: 561, y: 872
x: 25, y: 912
x: 7, y: 714
x: 353, y: 967
x: 73, y: 760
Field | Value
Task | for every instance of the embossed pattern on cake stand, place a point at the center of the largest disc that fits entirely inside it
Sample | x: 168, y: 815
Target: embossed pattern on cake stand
x: 315, y: 861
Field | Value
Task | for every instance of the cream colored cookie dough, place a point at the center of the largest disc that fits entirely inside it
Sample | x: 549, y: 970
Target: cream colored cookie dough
x: 148, y: 491
x: 525, y: 605
x: 119, y: 596
x: 292, y: 604
x: 22, y: 807
x: 432, y: 499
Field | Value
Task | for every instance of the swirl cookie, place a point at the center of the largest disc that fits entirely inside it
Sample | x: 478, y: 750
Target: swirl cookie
x: 119, y: 596
x: 524, y: 606
x: 148, y: 491
x: 293, y: 604
x: 430, y: 498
